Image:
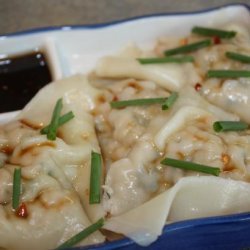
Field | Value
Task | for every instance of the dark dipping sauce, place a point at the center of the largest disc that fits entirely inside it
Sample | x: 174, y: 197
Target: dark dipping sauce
x: 20, y: 79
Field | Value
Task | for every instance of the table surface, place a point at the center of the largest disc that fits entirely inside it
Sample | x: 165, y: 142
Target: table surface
x: 18, y: 15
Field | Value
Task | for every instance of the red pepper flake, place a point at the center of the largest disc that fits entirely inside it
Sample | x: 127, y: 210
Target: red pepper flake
x: 183, y: 41
x: 197, y: 86
x: 216, y: 40
x: 22, y: 211
x: 115, y: 98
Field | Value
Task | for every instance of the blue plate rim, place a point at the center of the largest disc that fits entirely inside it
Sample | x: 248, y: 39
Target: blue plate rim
x: 175, y: 226
x: 117, y: 22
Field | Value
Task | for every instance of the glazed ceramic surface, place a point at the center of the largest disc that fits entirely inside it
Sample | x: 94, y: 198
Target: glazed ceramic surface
x: 76, y: 49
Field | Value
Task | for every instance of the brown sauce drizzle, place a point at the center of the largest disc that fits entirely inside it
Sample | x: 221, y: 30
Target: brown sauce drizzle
x: 31, y: 124
x: 6, y: 149
x: 32, y: 147
x: 226, y: 159
x: 111, y: 236
x: 101, y: 99
x: 229, y: 168
x: 69, y: 199
x: 135, y: 85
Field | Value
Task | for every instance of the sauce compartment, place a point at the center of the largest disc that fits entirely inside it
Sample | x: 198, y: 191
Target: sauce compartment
x: 24, y: 72
x: 21, y: 76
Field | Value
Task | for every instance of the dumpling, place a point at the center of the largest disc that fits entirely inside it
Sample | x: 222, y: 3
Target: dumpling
x: 78, y: 134
x: 185, y: 200
x: 231, y: 95
x: 55, y: 174
x: 138, y: 187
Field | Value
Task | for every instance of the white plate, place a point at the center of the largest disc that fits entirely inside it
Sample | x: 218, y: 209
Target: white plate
x: 76, y: 49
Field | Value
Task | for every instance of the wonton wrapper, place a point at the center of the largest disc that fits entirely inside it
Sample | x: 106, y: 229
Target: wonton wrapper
x: 127, y: 179
x: 191, y: 197
x: 78, y: 96
x: 55, y: 174
x: 170, y: 76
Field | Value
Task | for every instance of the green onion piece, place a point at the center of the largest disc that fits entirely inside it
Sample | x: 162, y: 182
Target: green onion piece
x: 95, y: 178
x: 191, y: 166
x: 222, y: 126
x: 137, y: 102
x: 82, y: 235
x: 228, y: 73
x: 238, y: 57
x: 66, y: 117
x: 170, y: 101
x: 54, y: 124
x: 213, y: 32
x: 16, y: 188
x: 188, y: 48
x: 62, y: 120
x: 182, y: 59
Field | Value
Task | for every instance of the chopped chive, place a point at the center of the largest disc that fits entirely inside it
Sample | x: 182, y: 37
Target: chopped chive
x: 222, y: 126
x: 137, y: 102
x: 95, y: 178
x: 228, y: 73
x: 62, y: 120
x: 182, y: 59
x: 188, y: 48
x: 170, y: 101
x: 16, y: 188
x: 66, y: 117
x: 191, y: 166
x: 82, y: 235
x: 54, y: 124
x: 213, y: 32
x: 238, y: 57
x: 45, y: 130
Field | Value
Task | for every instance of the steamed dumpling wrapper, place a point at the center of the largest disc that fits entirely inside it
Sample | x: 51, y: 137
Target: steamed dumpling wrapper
x: 55, y: 174
x: 55, y: 213
x: 191, y: 197
x: 78, y: 134
x: 133, y: 179
x: 139, y: 216
x: 170, y: 76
